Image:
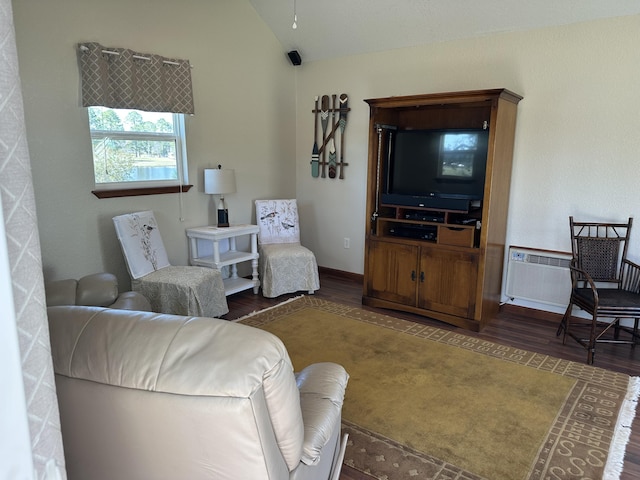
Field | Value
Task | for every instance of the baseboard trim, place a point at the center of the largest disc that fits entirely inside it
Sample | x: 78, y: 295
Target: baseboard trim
x: 356, y: 277
x: 531, y: 312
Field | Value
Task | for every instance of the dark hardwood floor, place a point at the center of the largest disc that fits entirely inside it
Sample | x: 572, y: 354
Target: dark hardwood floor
x: 523, y: 328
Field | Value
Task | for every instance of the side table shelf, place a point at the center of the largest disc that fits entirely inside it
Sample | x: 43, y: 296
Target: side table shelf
x: 215, y: 247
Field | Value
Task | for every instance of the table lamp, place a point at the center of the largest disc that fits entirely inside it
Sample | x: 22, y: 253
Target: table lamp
x: 218, y: 182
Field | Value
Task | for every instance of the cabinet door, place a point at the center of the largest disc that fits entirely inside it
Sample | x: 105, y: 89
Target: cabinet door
x: 392, y: 271
x: 447, y: 281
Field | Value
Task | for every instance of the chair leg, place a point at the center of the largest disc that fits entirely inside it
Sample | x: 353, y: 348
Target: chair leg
x: 564, y: 323
x: 591, y: 346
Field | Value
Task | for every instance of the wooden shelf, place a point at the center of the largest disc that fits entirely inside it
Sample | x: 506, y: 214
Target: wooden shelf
x: 235, y: 285
x: 226, y: 258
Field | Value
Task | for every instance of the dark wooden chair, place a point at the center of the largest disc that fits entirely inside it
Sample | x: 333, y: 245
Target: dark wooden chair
x: 604, y: 284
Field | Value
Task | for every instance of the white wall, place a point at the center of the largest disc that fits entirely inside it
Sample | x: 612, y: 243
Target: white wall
x: 576, y: 141
x: 577, y: 144
x: 244, y: 100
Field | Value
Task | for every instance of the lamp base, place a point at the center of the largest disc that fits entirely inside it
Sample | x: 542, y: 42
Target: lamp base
x: 223, y: 218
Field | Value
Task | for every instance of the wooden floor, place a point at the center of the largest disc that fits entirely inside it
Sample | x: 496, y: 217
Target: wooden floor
x: 518, y: 327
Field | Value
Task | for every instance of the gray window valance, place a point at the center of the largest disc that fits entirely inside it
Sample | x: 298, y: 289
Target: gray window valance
x: 121, y: 78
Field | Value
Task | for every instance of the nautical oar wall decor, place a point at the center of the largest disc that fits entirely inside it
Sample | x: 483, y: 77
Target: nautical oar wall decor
x: 344, y: 104
x: 324, y: 120
x: 332, y: 145
x: 330, y: 132
x: 315, y: 156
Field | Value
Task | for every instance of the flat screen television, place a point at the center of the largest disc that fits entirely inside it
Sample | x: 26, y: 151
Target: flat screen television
x: 440, y: 169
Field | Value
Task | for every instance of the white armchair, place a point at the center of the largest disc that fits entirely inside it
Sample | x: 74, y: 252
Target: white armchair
x: 179, y: 290
x: 285, y: 265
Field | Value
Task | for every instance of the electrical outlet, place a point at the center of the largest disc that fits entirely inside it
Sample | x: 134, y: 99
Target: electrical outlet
x: 347, y: 242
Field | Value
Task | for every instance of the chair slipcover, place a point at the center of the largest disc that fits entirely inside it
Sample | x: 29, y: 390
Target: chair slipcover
x: 179, y: 290
x: 285, y: 265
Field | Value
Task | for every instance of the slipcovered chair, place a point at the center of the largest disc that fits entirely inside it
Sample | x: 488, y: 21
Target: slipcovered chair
x: 97, y: 290
x: 179, y: 290
x: 285, y: 265
x: 154, y: 396
x: 605, y: 284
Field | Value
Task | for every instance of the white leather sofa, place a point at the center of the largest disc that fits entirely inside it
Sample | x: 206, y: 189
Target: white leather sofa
x: 153, y: 396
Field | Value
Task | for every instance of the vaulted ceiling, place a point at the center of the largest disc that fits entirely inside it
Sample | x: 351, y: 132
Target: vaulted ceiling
x: 334, y: 28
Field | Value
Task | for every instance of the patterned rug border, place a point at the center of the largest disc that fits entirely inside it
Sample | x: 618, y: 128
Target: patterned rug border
x: 414, y: 463
x: 573, y: 424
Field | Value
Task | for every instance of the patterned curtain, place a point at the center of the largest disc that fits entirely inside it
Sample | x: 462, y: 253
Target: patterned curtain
x: 17, y: 201
x: 121, y: 78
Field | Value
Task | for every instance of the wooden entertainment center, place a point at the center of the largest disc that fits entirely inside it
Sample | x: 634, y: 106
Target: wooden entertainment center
x: 450, y: 269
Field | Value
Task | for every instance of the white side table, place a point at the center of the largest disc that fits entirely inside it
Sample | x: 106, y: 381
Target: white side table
x: 215, y: 247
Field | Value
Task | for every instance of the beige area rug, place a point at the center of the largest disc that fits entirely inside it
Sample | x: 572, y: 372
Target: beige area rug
x: 433, y: 404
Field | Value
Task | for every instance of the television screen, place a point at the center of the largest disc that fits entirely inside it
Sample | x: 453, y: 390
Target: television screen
x: 435, y: 164
x: 457, y: 154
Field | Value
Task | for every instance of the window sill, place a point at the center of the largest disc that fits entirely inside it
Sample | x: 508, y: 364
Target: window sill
x: 134, y: 192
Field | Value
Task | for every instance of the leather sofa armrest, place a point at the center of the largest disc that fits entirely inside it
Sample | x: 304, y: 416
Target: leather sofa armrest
x: 97, y: 290
x: 322, y: 387
x: 131, y: 301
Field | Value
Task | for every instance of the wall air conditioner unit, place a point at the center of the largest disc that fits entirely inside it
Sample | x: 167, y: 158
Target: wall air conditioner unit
x: 539, y: 276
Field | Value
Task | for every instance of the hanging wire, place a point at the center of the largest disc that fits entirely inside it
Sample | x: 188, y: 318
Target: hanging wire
x: 295, y: 16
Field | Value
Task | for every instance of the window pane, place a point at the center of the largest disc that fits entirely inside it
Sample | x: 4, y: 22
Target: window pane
x: 134, y: 146
x: 133, y: 160
x: 102, y: 118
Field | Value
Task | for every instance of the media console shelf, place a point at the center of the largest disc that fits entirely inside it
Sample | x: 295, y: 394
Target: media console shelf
x: 440, y: 258
x: 441, y: 227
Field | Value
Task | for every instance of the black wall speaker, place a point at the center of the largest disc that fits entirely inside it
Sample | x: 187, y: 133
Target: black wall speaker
x: 295, y: 57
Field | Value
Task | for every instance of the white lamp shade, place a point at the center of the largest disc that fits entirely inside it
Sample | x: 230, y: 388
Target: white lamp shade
x: 218, y: 181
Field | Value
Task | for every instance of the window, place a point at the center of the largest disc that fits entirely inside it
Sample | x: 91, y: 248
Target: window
x: 134, y: 149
